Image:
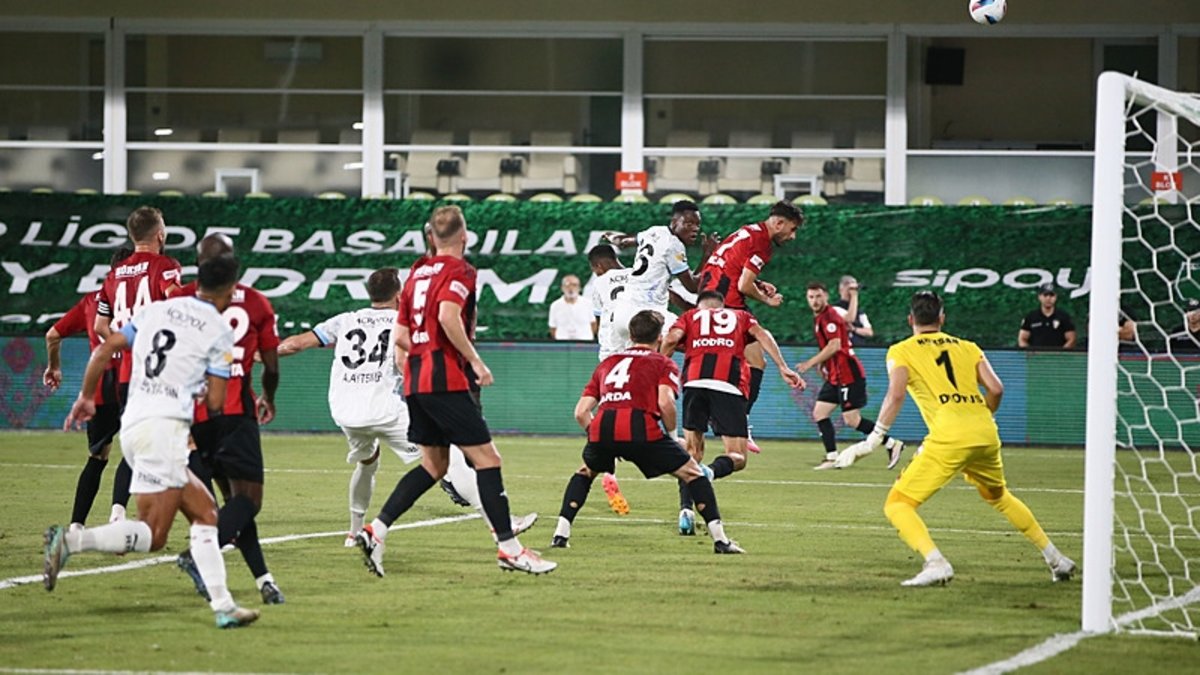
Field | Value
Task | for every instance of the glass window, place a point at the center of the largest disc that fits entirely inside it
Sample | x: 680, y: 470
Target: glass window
x: 51, y: 86
x: 280, y: 174
x: 243, y: 118
x: 530, y: 64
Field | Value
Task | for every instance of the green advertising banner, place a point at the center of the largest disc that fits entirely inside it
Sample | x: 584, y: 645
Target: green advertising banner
x: 312, y: 256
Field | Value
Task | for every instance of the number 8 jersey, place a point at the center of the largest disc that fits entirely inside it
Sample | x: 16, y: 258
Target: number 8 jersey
x: 176, y: 343
x: 364, y: 384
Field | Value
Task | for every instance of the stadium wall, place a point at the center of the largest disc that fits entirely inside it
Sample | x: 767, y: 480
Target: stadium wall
x: 537, y: 385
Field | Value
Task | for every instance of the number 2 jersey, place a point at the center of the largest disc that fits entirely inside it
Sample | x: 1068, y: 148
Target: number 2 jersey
x: 137, y: 281
x: 176, y: 342
x: 252, y: 319
x: 626, y: 385
x: 714, y: 345
x: 364, y: 384
x: 943, y: 381
x: 434, y: 365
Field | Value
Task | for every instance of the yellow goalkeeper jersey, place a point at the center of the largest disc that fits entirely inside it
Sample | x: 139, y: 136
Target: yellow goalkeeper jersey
x: 942, y: 380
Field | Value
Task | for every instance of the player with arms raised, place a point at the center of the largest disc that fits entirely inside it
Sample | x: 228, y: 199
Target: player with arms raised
x: 435, y: 326
x: 733, y: 269
x: 635, y: 390
x: 182, y: 349
x: 716, y: 383
x: 944, y: 374
x: 228, y: 445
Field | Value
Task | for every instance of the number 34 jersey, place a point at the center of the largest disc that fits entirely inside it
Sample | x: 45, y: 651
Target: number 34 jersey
x: 364, y: 383
x: 176, y: 343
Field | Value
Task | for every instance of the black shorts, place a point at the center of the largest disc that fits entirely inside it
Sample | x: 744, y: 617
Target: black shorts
x: 107, y: 422
x: 231, y: 447
x: 848, y: 397
x: 724, y: 411
x: 446, y: 418
x: 654, y: 458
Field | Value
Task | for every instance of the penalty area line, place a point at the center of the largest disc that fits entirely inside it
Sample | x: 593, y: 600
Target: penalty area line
x: 159, y: 560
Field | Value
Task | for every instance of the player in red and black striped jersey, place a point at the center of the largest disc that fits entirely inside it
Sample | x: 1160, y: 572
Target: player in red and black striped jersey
x: 145, y: 276
x: 635, y: 390
x: 734, y: 267
x: 228, y: 446
x: 716, y: 383
x: 435, y: 325
x: 107, y: 421
x: 845, y: 381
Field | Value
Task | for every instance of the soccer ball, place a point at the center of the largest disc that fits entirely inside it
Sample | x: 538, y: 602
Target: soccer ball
x: 988, y: 12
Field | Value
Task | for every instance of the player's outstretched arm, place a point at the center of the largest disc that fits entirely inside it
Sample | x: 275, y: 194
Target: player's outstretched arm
x: 992, y: 386
x: 583, y: 410
x: 771, y: 347
x: 84, y: 407
x: 298, y: 343
x: 671, y: 341
x: 53, y: 376
x: 620, y: 239
x: 822, y: 356
x: 450, y: 317
x: 666, y: 406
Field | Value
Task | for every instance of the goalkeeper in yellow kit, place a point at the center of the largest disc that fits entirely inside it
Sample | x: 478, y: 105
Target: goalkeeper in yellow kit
x: 944, y: 374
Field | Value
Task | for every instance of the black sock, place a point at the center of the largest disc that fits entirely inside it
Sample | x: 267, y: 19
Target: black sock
x: 866, y: 426
x: 722, y: 466
x: 234, y: 517
x: 495, y: 502
x: 685, y: 495
x: 410, y: 488
x: 756, y: 377
x: 575, y: 495
x: 247, y: 543
x: 87, y: 487
x: 201, y: 470
x: 121, y: 483
x: 828, y: 435
x: 706, y: 500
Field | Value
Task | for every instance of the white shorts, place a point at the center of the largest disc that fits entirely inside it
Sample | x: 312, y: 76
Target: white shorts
x: 622, y: 313
x: 393, y: 435
x: 157, y: 451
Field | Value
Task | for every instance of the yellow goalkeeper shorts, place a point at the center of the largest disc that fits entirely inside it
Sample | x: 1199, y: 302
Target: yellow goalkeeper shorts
x: 936, y: 465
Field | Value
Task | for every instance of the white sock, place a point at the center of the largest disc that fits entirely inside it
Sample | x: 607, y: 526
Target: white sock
x: 830, y: 456
x: 563, y: 529
x: 717, y: 530
x: 122, y: 536
x: 117, y: 513
x: 1051, y: 554
x: 935, y: 555
x: 362, y: 486
x: 356, y: 522
x: 379, y: 529
x: 264, y: 579
x: 211, y: 564
x: 511, y: 547
x: 75, y: 527
x: 462, y: 477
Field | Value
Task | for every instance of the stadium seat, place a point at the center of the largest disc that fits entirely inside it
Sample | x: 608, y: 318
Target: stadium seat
x: 481, y: 170
x: 187, y: 170
x: 746, y: 174
x: 132, y: 193
x: 682, y: 173
x: 1019, y: 201
x: 39, y: 167
x: 586, y: 197
x: 834, y: 183
x: 550, y: 171
x: 1060, y: 202
x: 87, y: 191
x: 435, y: 171
x: 170, y: 193
x: 926, y: 200
x: 378, y: 195
x: 762, y: 199
x: 631, y: 198
x: 548, y: 197
x: 300, y: 173
x: 975, y: 200
x: 213, y: 194
x: 41, y: 191
x: 719, y: 198
x: 421, y: 196
x: 258, y: 195
x: 330, y: 194
x: 500, y: 197
x: 457, y: 197
x: 866, y: 173
x: 810, y: 200
x: 672, y: 197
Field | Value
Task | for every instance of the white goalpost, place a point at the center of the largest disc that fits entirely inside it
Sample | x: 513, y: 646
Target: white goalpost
x: 1141, y: 558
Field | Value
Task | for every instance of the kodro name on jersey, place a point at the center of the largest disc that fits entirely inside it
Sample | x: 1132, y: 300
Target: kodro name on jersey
x: 714, y: 343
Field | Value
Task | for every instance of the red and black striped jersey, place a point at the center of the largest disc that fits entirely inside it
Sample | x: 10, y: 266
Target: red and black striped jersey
x: 135, y: 282
x: 82, y: 318
x: 843, y: 367
x: 714, y: 343
x: 626, y: 385
x: 252, y: 319
x: 434, y: 365
x: 748, y: 248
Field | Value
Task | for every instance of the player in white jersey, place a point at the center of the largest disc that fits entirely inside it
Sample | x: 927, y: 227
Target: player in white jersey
x: 182, y: 349
x: 365, y: 385
x: 607, y: 287
x: 661, y: 256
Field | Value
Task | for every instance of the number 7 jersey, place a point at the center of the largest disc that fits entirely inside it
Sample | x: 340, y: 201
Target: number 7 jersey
x: 364, y: 383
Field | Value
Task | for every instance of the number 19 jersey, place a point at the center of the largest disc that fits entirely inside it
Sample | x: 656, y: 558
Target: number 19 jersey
x: 176, y: 343
x: 364, y: 384
x: 942, y: 380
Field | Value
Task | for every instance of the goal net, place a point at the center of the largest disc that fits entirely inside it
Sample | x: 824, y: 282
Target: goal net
x: 1141, y: 565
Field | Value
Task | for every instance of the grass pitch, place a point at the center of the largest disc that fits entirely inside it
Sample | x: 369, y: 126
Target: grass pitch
x: 818, y: 589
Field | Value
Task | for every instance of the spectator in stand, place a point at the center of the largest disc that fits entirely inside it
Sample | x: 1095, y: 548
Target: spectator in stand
x: 860, y: 325
x: 1186, y: 338
x: 1047, y: 326
x: 570, y: 317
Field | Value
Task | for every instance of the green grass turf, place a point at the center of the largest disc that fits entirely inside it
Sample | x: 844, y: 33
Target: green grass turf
x: 818, y: 589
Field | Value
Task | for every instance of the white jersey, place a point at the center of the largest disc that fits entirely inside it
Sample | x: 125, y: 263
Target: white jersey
x: 176, y: 342
x: 364, y: 384
x: 660, y: 256
x: 606, y: 290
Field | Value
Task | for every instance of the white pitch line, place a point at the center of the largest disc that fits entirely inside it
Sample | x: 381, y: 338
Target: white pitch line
x: 159, y: 560
x: 49, y: 671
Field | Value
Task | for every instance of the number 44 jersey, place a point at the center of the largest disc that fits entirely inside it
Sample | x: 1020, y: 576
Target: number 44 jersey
x: 364, y: 384
x: 176, y: 343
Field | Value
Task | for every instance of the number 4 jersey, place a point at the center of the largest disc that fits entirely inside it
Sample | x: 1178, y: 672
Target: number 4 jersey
x: 137, y: 281
x: 364, y: 384
x: 626, y: 385
x: 176, y: 343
